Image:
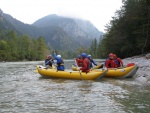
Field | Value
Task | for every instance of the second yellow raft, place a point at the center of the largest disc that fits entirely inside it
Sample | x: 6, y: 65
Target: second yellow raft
x: 125, y: 72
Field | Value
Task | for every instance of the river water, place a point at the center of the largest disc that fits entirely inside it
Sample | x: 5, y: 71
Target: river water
x: 22, y: 90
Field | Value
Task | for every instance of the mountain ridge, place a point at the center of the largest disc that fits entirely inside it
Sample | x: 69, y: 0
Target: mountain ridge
x: 61, y: 33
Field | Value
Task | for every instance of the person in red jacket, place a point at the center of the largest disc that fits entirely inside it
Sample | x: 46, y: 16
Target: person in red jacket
x: 86, y: 63
x: 110, y: 63
x: 79, y: 61
x: 118, y: 61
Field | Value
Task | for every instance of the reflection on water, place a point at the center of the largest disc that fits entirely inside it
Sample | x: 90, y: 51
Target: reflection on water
x: 23, y: 90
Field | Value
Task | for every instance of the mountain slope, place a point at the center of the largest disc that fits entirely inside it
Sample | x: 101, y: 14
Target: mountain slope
x: 74, y: 27
x: 5, y: 25
x: 61, y: 33
x: 77, y: 30
x: 21, y: 27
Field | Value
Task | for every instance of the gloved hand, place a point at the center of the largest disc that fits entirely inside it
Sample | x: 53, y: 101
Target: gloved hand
x: 95, y: 64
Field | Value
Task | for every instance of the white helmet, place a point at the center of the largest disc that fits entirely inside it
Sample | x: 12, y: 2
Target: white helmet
x: 89, y: 55
x: 59, y: 56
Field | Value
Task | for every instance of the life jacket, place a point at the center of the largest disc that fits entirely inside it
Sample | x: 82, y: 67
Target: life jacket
x: 79, y: 62
x: 117, y: 62
x: 61, y: 63
x: 110, y: 63
x: 49, y: 62
x: 88, y: 67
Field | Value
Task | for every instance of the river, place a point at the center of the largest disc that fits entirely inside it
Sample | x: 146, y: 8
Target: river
x: 22, y: 90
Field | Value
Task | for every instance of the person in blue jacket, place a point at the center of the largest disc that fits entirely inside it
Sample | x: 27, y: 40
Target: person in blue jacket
x: 91, y: 61
x: 60, y: 62
x: 49, y: 61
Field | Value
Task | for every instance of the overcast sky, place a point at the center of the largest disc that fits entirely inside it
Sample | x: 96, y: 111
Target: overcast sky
x: 98, y: 12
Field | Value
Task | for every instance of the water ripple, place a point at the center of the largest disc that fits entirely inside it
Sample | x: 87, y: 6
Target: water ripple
x: 24, y: 91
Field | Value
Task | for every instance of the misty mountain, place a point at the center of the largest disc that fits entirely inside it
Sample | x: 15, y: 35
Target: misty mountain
x: 59, y: 32
x: 73, y: 26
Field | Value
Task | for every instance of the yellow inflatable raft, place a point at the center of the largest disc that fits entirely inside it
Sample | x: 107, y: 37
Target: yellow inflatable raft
x: 125, y: 72
x: 71, y: 74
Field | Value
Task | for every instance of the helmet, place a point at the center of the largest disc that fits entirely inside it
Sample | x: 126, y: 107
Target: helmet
x: 59, y: 56
x: 83, y: 55
x: 49, y: 56
x: 111, y: 55
x: 89, y: 56
x: 115, y: 56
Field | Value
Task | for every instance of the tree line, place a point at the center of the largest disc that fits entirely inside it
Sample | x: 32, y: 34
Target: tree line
x: 128, y: 33
x: 25, y: 48
x: 18, y: 48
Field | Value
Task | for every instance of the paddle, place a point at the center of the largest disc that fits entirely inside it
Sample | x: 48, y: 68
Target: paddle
x: 53, y: 64
x: 78, y: 69
x: 36, y: 71
x: 48, y: 62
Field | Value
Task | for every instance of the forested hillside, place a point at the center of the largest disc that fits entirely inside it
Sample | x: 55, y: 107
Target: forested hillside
x: 18, y: 48
x: 128, y: 33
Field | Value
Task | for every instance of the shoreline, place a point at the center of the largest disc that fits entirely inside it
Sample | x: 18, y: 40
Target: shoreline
x: 143, y: 62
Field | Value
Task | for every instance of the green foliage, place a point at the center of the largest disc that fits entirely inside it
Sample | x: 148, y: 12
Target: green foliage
x: 94, y: 48
x: 128, y: 31
x: 15, y: 48
x: 3, y: 49
x: 41, y: 48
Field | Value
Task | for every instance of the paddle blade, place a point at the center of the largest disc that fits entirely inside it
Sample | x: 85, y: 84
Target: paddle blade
x: 36, y: 71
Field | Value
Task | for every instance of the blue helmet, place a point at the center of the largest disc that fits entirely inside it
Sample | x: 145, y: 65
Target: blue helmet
x: 83, y: 55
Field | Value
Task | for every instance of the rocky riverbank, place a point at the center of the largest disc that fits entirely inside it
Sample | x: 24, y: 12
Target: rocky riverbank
x: 143, y: 62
